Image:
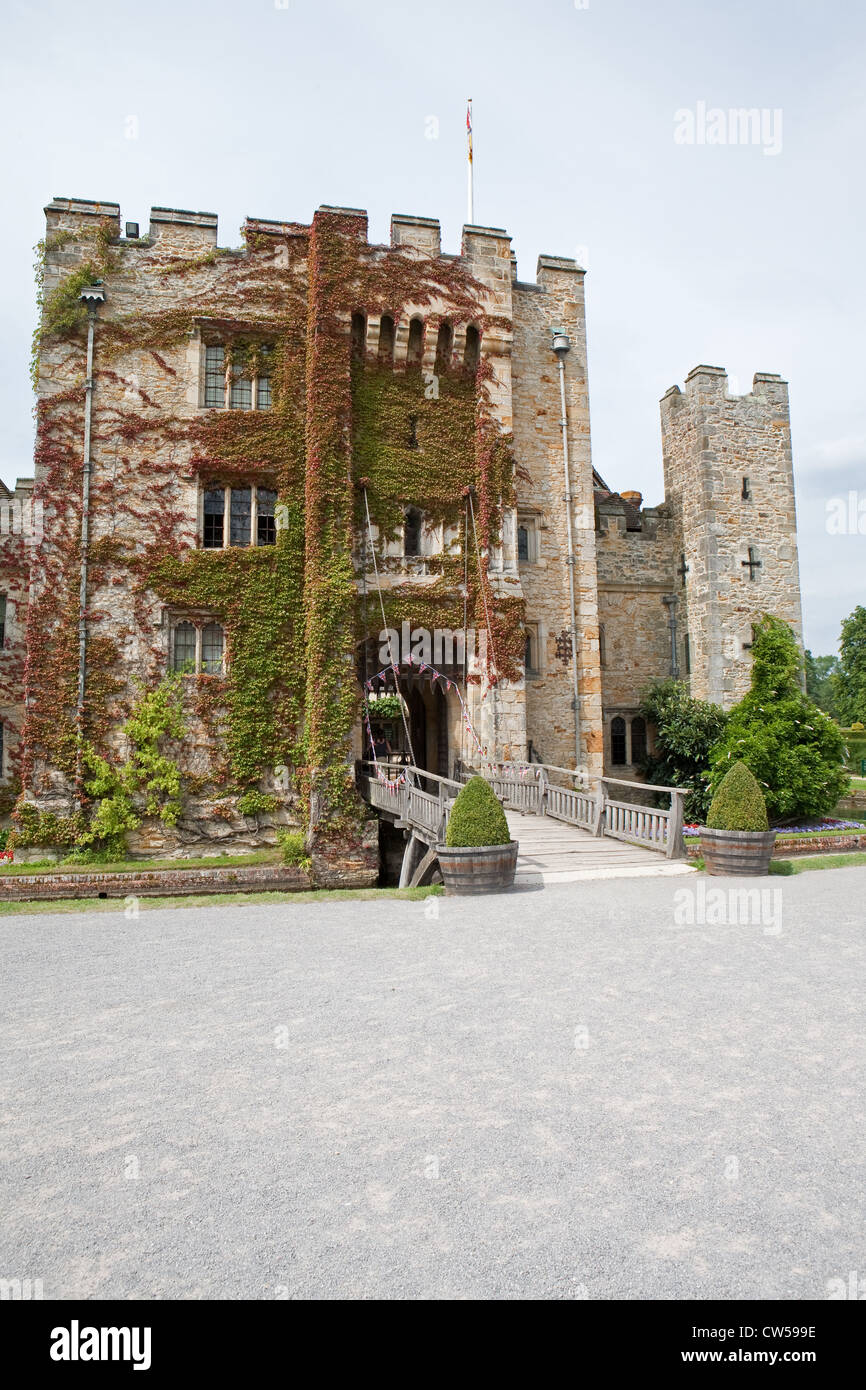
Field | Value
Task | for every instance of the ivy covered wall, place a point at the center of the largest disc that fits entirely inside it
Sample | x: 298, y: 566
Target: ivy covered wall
x: 291, y: 611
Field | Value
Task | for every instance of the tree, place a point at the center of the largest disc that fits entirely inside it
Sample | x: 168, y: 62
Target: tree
x: 687, y: 730
x: 849, y: 681
x: 820, y: 685
x: 795, y: 750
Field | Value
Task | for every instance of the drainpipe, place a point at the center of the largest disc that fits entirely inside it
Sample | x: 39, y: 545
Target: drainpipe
x: 561, y: 344
x: 91, y: 296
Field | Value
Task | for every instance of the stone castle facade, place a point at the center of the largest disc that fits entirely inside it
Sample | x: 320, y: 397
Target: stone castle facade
x: 658, y: 591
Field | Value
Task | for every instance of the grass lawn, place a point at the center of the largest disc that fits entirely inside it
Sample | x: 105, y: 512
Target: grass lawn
x: 859, y: 783
x: 129, y: 866
x: 818, y: 861
x: 28, y: 909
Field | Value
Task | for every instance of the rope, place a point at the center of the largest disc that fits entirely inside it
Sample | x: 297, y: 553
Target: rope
x: 489, y: 628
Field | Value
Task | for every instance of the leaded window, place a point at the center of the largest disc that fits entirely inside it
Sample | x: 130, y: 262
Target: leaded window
x: 241, y: 393
x: 213, y: 532
x: 212, y: 649
x: 266, y: 525
x: 215, y: 377
x: 240, y: 515
x: 183, y: 647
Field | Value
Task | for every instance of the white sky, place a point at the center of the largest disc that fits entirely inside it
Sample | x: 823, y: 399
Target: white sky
x: 695, y: 253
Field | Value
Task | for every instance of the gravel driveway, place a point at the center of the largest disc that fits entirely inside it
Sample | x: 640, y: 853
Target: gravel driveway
x: 571, y: 1092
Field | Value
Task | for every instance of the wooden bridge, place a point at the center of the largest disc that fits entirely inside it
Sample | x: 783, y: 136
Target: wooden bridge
x: 570, y: 825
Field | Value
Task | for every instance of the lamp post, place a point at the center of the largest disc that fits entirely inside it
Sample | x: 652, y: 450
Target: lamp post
x: 560, y: 345
x: 91, y: 297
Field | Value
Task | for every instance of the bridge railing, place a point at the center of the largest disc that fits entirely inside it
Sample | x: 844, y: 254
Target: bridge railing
x: 401, y: 794
x: 542, y: 789
x: 586, y: 800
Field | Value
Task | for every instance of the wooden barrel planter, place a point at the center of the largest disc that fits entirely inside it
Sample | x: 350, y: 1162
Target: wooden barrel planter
x: 739, y: 853
x: 478, y: 868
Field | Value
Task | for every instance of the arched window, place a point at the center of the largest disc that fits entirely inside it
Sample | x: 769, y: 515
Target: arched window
x: 444, y: 346
x: 412, y: 531
x: 359, y: 337
x: 212, y: 649
x: 638, y: 740
x: 617, y: 742
x: 472, y: 351
x: 523, y: 543
x: 415, y: 350
x: 183, y: 648
x: 386, y: 341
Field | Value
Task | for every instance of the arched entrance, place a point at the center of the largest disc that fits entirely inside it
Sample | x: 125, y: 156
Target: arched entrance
x: 432, y: 713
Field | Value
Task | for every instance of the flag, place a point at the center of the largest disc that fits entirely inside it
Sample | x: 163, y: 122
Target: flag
x: 469, y: 127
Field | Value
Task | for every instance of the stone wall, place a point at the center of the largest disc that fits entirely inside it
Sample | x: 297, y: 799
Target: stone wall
x: 557, y: 301
x: 141, y: 883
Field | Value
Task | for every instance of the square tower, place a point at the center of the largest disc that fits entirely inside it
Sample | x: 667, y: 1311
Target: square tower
x: 730, y: 484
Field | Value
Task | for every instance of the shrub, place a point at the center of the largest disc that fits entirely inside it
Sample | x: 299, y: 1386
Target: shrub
x: 793, y: 748
x: 294, y: 849
x: 687, y: 730
x: 477, y: 817
x: 849, y: 680
x: 256, y: 803
x: 739, y: 802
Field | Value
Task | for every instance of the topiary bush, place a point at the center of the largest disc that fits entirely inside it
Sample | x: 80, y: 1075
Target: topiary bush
x: 739, y: 802
x: 477, y: 818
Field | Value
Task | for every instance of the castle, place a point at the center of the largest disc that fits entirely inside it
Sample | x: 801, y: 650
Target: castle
x: 250, y: 463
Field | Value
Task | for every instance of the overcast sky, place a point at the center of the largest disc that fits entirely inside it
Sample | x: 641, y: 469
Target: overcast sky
x: 747, y: 256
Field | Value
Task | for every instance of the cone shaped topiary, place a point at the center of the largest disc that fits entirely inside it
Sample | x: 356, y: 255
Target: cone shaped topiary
x: 739, y: 802
x: 477, y: 818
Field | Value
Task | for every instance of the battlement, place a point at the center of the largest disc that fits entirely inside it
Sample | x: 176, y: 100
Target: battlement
x: 486, y: 251
x: 706, y: 381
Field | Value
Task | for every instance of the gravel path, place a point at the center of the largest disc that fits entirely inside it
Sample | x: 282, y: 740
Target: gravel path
x: 562, y: 1093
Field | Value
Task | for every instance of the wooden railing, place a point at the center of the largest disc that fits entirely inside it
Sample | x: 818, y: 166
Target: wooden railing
x: 542, y: 789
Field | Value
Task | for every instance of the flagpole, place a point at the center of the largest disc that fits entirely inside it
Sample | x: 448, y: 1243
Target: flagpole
x: 471, y: 188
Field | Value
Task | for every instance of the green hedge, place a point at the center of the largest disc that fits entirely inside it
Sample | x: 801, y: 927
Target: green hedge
x: 477, y: 818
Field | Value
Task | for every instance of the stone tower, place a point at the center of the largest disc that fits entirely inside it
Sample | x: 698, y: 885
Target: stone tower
x: 729, y: 482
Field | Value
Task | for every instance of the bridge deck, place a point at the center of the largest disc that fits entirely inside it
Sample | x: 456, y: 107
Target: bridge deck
x: 552, y: 851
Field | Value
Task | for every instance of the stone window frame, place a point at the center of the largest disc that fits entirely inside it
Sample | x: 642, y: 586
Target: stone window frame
x: 232, y: 379
x: 530, y: 522
x: 532, y: 670
x: 215, y: 485
x: 199, y: 620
